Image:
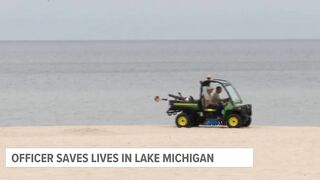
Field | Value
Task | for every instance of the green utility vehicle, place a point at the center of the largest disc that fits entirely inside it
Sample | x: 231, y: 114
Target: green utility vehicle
x: 191, y: 113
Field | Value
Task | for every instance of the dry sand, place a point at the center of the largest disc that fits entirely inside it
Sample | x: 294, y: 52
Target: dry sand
x: 279, y: 152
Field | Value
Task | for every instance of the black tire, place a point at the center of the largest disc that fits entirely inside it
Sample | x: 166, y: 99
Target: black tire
x: 247, y: 123
x: 183, y: 120
x: 234, y: 121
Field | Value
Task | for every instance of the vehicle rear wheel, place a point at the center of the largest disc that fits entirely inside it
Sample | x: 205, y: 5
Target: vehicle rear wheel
x: 234, y: 121
x: 183, y: 120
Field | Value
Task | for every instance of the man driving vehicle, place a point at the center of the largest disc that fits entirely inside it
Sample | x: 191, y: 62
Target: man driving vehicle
x: 217, y: 101
x: 216, y: 96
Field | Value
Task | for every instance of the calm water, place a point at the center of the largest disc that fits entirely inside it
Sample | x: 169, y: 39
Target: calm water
x: 110, y: 82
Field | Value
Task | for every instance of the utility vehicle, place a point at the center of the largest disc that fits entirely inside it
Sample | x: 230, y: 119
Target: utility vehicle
x: 192, y: 112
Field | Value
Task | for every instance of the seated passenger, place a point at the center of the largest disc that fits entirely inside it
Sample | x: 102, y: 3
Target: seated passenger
x: 207, y: 96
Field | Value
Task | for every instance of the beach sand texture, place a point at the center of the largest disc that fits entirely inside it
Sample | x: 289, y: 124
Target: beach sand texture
x: 279, y: 152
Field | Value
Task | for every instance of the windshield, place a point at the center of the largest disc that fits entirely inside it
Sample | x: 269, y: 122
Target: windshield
x: 233, y: 94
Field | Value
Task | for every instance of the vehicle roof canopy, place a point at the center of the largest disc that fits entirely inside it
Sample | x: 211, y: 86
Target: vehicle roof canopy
x: 220, y: 81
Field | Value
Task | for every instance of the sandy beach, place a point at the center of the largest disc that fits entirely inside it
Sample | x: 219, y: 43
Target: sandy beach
x: 95, y: 90
x: 279, y: 152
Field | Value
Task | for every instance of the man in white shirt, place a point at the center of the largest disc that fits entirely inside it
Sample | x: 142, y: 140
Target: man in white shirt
x: 216, y: 96
x: 207, y: 94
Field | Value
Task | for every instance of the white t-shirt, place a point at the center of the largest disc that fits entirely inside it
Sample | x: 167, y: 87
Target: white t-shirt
x: 216, y: 98
x: 207, y: 96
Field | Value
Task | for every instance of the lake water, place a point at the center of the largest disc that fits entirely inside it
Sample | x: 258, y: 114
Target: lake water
x: 114, y: 82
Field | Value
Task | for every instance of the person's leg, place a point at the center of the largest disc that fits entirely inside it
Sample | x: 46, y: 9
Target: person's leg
x: 220, y: 109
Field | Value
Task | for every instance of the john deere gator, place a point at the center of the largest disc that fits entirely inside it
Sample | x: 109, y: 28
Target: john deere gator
x: 191, y: 112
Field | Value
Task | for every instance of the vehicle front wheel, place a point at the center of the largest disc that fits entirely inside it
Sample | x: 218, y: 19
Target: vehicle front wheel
x: 234, y: 121
x: 183, y: 120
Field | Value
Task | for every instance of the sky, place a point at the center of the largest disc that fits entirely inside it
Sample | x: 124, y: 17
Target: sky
x: 159, y: 19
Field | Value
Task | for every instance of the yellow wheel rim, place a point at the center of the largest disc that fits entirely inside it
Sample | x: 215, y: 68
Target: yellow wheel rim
x: 182, y: 121
x: 233, y: 121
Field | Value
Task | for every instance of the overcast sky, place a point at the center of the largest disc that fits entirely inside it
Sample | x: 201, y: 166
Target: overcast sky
x: 159, y: 19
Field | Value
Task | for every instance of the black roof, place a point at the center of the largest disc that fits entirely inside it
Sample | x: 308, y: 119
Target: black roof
x: 220, y: 81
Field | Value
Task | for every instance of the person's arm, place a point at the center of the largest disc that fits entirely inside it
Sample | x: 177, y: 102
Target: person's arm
x: 223, y: 100
x: 216, y: 98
